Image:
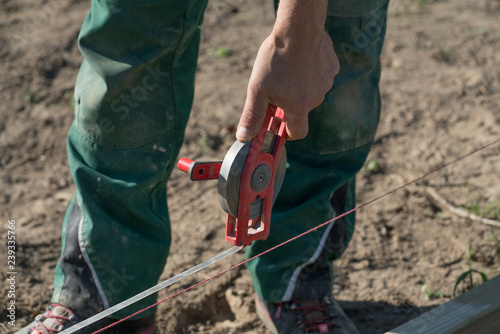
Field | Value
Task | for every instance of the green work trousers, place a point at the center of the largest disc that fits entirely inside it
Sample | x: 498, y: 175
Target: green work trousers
x: 133, y: 97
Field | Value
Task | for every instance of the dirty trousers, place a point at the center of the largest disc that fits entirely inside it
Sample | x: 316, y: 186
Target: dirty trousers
x: 133, y: 98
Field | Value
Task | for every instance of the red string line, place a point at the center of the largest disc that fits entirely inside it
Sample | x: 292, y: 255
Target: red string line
x: 300, y: 235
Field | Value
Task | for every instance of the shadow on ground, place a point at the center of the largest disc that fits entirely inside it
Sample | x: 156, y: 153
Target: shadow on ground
x: 365, y: 315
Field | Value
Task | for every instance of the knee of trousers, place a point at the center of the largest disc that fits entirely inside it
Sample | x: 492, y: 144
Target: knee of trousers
x: 349, y: 115
x: 136, y: 81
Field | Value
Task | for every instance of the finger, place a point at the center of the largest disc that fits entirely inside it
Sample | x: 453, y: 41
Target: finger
x: 252, y: 117
x: 297, y: 125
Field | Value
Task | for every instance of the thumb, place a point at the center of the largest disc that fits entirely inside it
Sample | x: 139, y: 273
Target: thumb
x: 252, y: 117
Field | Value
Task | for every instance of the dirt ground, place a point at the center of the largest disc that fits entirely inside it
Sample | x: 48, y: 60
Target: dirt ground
x: 441, y: 99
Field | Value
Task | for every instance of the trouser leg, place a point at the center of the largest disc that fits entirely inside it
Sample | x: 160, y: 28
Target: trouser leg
x: 132, y: 101
x: 319, y: 183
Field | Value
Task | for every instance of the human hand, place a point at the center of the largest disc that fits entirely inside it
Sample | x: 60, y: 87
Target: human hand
x: 294, y: 69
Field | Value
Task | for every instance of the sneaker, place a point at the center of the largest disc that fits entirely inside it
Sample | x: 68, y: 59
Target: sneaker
x: 305, y: 316
x: 58, y: 318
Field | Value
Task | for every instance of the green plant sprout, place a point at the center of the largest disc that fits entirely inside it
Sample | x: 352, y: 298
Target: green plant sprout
x: 222, y: 52
x: 492, y: 210
x: 372, y: 166
x: 443, y: 54
x: 469, y: 273
x: 415, y: 7
x: 203, y: 141
x: 28, y: 97
x: 494, y: 238
x: 431, y: 295
x: 473, y: 206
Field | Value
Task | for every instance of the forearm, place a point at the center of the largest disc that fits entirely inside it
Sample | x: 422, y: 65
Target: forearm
x: 300, y: 18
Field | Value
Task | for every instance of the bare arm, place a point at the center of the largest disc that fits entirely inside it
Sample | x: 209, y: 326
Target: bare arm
x: 294, y: 69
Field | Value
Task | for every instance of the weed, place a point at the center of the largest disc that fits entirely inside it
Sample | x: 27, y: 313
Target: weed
x: 420, y: 6
x: 477, y: 32
x: 203, y: 141
x: 222, y: 52
x: 431, y: 295
x: 469, y: 273
x: 372, y: 166
x: 494, y: 238
x: 427, y: 213
x: 416, y: 7
x: 492, y: 210
x: 28, y: 98
x: 443, y: 54
x: 399, y: 46
x: 473, y: 207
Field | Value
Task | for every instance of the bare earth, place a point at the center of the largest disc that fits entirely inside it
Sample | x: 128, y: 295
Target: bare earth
x: 441, y: 99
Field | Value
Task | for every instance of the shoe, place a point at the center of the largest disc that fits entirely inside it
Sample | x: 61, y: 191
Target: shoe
x: 58, y: 318
x: 305, y: 316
